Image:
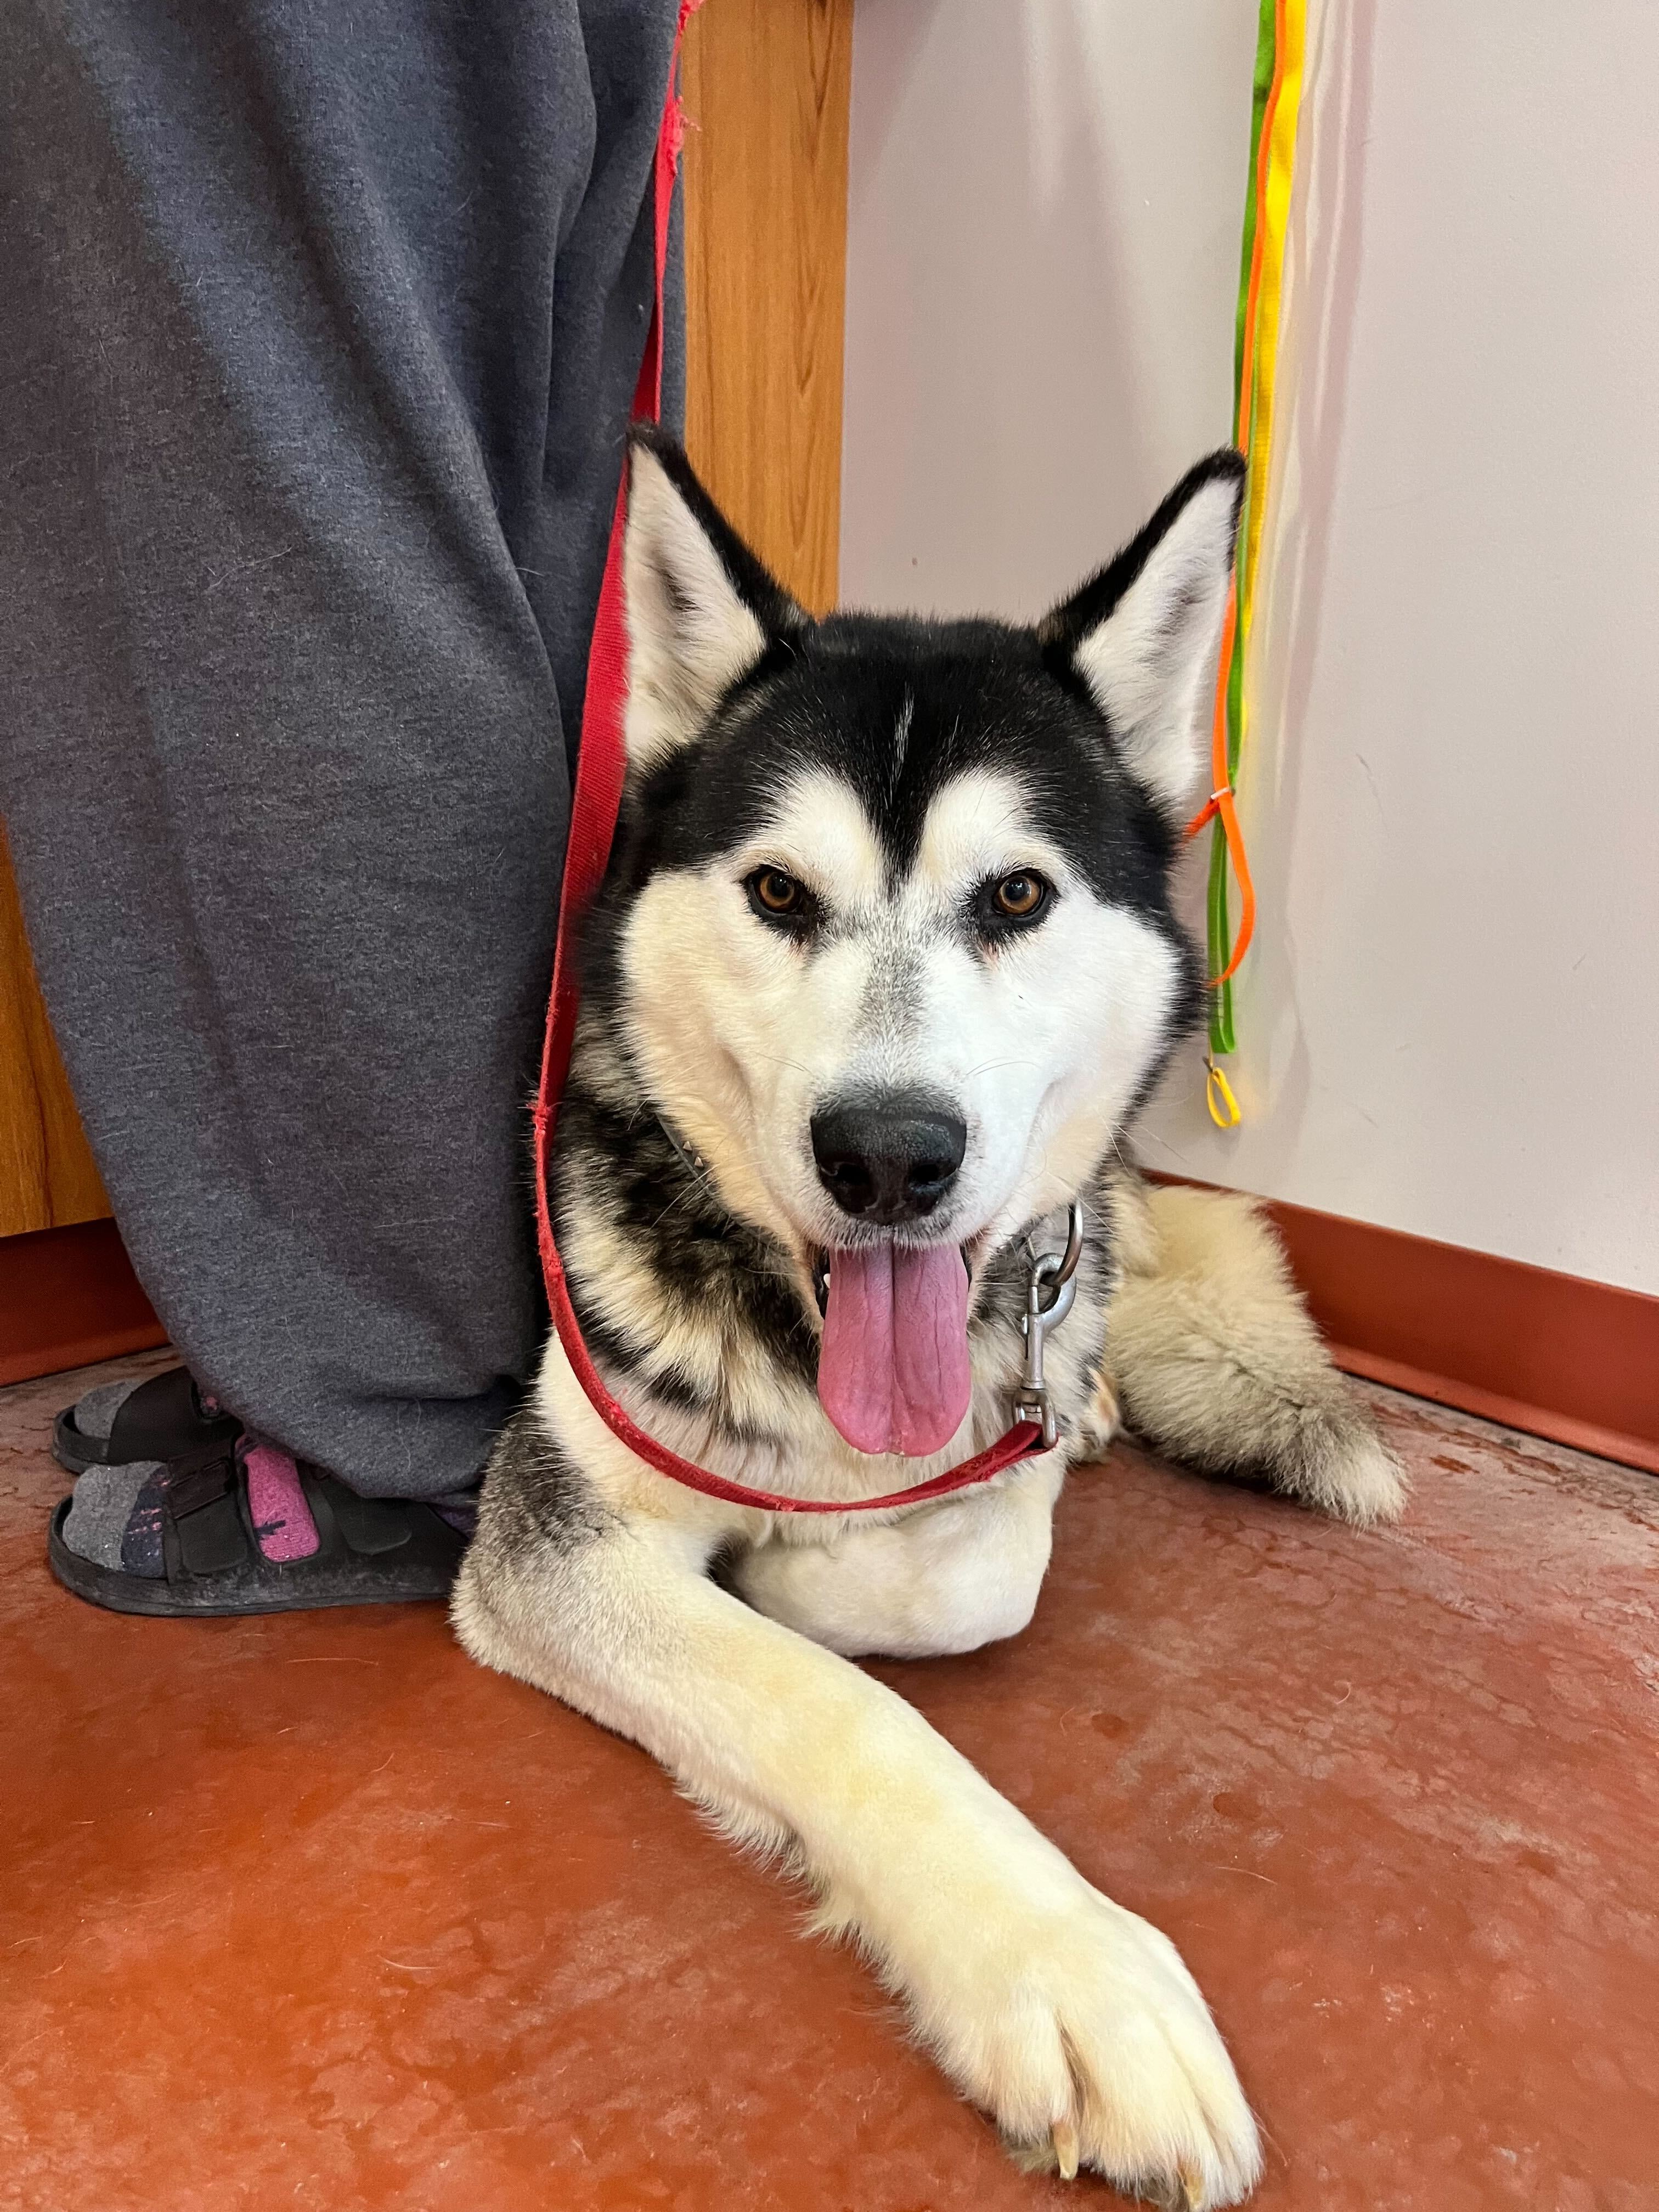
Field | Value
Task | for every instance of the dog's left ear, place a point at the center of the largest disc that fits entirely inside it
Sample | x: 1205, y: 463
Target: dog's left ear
x: 1142, y: 635
x: 701, y: 609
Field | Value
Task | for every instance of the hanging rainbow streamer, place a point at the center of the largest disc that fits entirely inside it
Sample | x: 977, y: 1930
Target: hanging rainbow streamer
x: 1278, y: 95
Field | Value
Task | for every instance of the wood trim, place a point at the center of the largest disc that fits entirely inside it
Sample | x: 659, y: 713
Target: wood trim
x: 767, y: 89
x: 69, y: 1297
x: 1556, y: 1355
x: 47, y: 1178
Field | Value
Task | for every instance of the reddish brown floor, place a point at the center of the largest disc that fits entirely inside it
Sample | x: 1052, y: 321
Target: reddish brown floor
x: 310, y: 1912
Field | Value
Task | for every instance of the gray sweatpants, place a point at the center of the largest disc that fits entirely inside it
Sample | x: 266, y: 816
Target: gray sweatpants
x: 320, y: 327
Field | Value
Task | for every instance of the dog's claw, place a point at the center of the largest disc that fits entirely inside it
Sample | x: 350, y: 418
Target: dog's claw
x: 1065, y: 2148
x: 1184, y: 2194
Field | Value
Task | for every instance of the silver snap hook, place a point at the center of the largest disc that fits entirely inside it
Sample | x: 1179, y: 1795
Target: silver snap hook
x: 1050, y: 1294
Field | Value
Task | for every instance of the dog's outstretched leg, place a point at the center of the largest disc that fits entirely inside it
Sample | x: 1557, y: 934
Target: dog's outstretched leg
x: 1073, y: 2023
x: 1213, y: 1358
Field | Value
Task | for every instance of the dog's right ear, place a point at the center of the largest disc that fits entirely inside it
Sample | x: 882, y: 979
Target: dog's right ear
x: 701, y: 609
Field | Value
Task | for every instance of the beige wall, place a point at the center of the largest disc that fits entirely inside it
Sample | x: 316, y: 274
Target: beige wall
x: 1451, y: 1023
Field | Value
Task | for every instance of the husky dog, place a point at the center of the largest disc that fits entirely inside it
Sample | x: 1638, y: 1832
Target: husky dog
x: 883, y: 964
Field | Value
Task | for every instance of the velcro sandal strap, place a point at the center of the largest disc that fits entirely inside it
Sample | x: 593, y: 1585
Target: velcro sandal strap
x: 200, y: 1481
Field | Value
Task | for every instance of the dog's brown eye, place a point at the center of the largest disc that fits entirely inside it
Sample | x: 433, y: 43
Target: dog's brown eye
x: 776, y: 893
x: 1019, y: 896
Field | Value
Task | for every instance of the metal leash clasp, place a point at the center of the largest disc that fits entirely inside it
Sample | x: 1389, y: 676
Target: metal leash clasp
x: 1054, y: 1273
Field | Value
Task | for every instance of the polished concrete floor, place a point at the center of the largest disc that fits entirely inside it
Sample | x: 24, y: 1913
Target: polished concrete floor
x: 310, y: 1911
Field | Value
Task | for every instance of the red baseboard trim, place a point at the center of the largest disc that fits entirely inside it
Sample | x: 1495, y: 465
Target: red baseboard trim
x: 69, y: 1297
x: 1555, y: 1355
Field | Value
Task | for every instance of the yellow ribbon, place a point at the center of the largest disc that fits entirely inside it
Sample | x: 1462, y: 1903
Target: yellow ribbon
x: 1218, y: 1096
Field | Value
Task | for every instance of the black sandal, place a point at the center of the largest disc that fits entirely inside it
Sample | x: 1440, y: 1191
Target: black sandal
x: 163, y: 1418
x: 371, y: 1551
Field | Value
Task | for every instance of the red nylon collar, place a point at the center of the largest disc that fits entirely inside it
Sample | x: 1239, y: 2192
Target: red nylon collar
x: 600, y: 765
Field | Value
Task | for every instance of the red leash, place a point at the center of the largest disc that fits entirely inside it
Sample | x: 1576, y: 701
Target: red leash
x: 600, y: 766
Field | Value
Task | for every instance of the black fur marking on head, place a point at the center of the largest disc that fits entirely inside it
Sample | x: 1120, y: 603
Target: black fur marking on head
x: 837, y: 694
x: 984, y: 697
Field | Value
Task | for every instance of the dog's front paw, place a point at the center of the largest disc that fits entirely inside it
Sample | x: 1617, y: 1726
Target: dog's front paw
x: 1085, y: 2036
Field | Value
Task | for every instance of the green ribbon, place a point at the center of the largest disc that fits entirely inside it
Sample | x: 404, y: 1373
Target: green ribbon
x: 1222, y: 1038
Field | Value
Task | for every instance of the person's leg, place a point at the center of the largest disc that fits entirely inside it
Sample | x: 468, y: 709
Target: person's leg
x: 322, y: 324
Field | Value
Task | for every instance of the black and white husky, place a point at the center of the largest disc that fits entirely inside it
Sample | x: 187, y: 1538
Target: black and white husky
x: 883, y: 964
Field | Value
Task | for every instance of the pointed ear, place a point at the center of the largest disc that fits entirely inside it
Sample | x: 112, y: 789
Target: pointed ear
x: 1142, y: 635
x: 701, y: 610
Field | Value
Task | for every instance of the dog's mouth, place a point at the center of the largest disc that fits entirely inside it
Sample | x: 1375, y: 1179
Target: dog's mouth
x: 893, y: 1369
x: 820, y: 1257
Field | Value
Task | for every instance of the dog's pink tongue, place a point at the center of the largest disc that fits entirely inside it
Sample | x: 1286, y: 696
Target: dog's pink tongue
x: 893, y: 1371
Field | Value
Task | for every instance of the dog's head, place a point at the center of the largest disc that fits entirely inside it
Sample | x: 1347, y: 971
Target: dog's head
x: 891, y: 941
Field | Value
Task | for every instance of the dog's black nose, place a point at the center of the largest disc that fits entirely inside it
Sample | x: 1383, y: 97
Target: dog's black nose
x: 890, y: 1158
